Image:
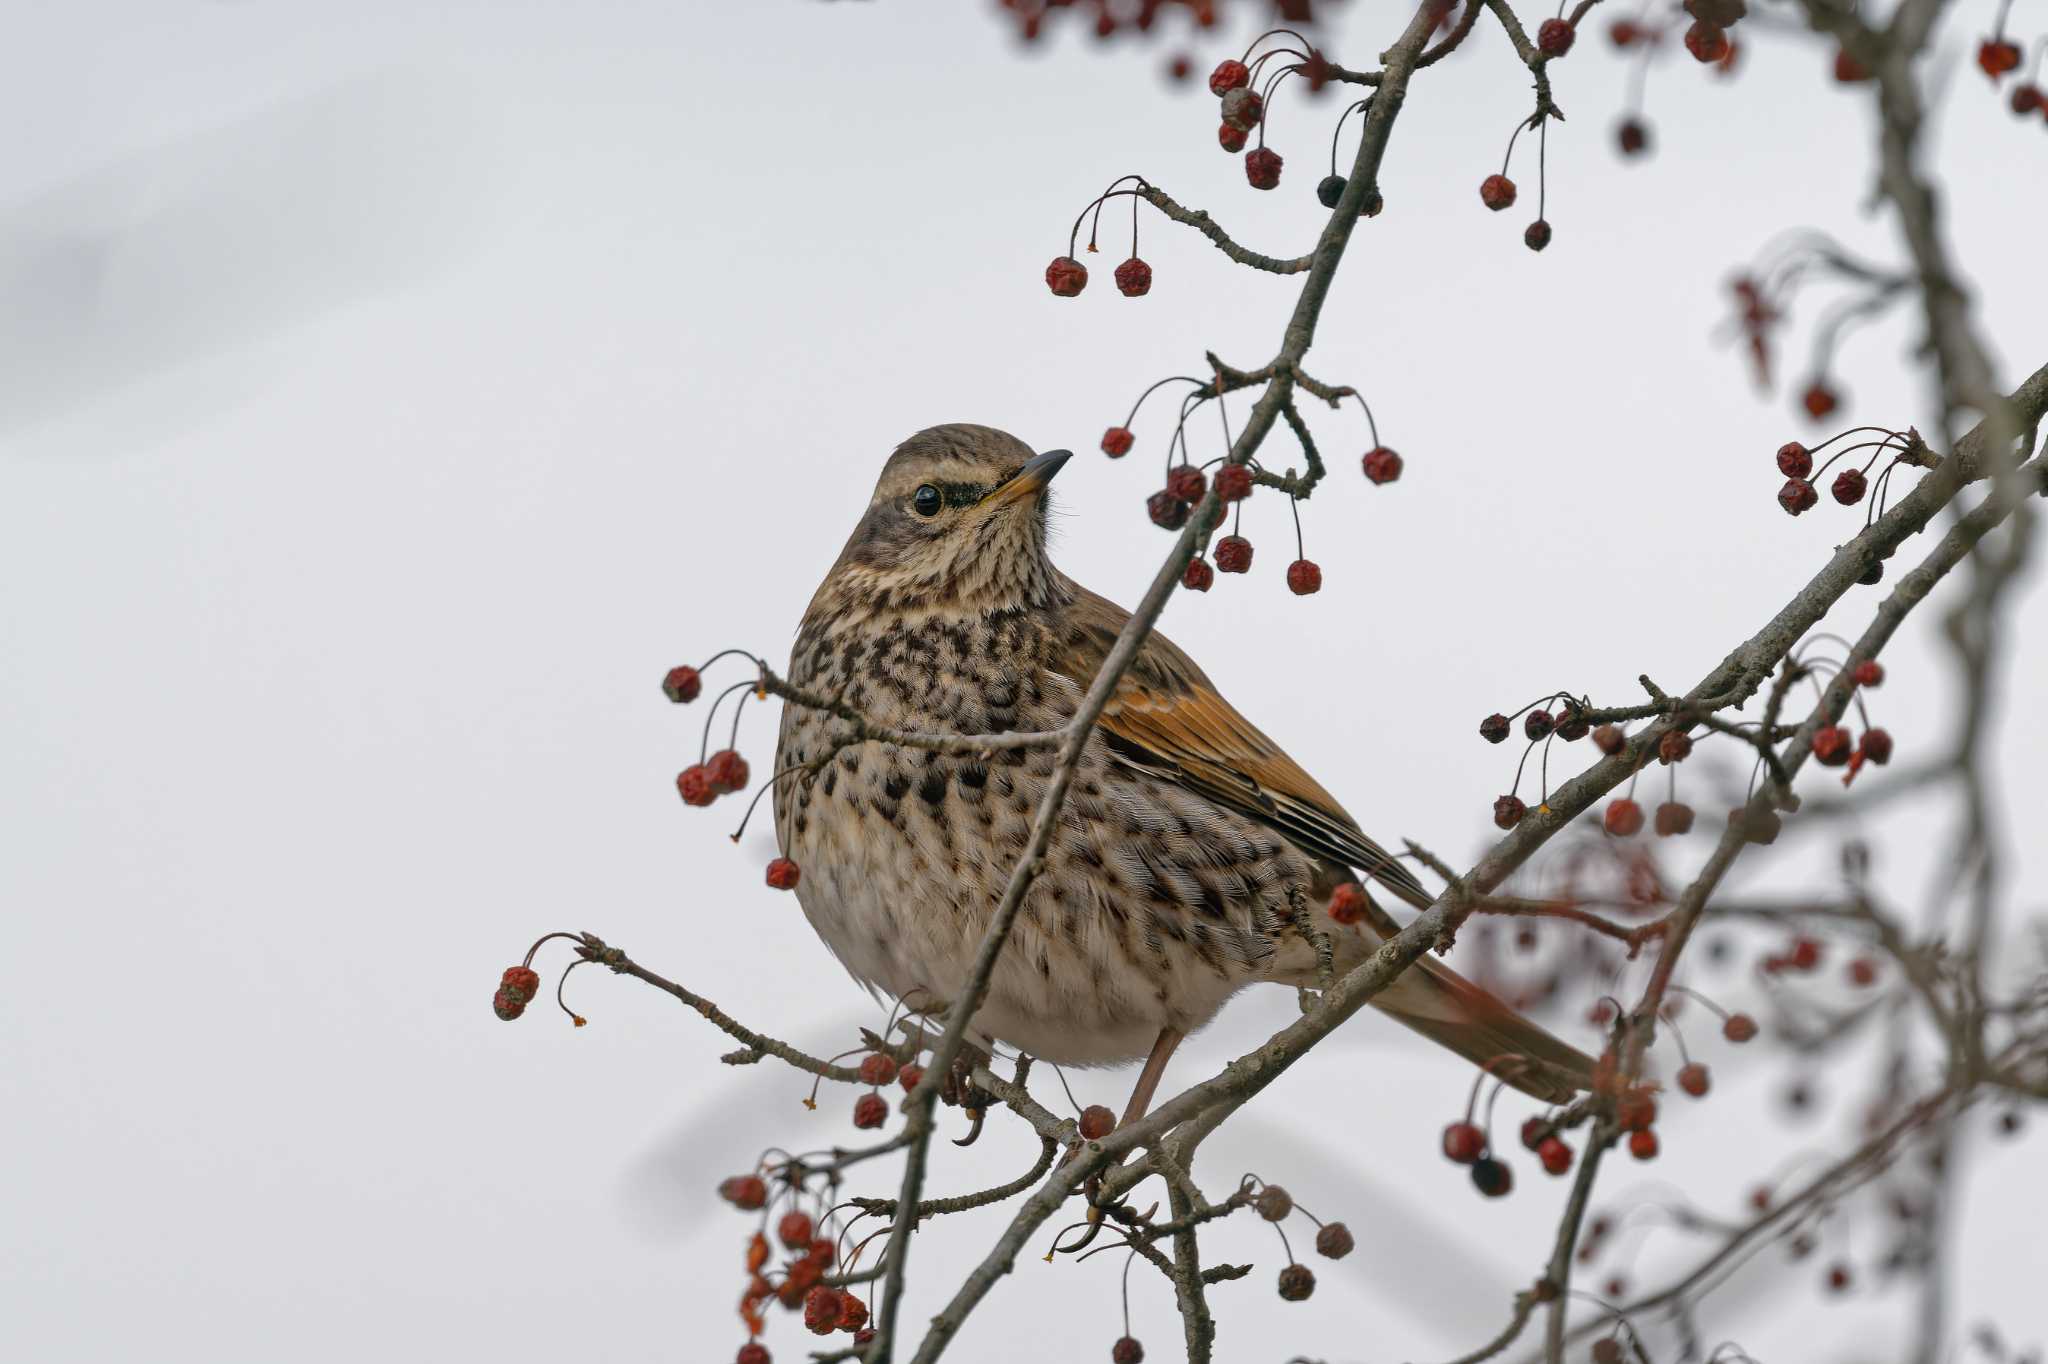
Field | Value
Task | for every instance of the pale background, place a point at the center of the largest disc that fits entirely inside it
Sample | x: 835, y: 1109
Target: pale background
x: 387, y: 398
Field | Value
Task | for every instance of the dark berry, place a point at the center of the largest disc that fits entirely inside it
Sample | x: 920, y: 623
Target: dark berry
x: 508, y: 1004
x: 1273, y: 1203
x: 1329, y: 190
x: 1185, y: 482
x: 1066, y: 276
x: 682, y: 684
x: 1707, y: 42
x: 870, y: 1110
x: 2027, y: 98
x: 1334, y: 1241
x: 1862, y: 971
x: 1508, y: 811
x: 1233, y: 482
x: 1673, y: 819
x: 1797, y: 496
x: 1297, y: 1282
x: 1097, y: 1122
x: 1623, y: 819
x: 1872, y: 575
x: 783, y: 874
x: 1198, y: 577
x: 1794, y: 460
x: 1536, y: 235
x: 1494, y: 728
x: 1304, y: 577
x: 1538, y: 723
x: 1228, y: 76
x: 1382, y: 465
x: 1231, y: 139
x: 1609, y: 739
x: 1633, y: 136
x: 1492, y: 1177
x: 1674, y: 747
x: 1496, y: 192
x: 1877, y: 746
x: 1554, y: 37
x: 1117, y: 442
x: 1262, y: 167
x: 1819, y: 400
x: 1233, y: 554
x: 1762, y: 827
x: 1607, y: 1350
x: 1848, y: 487
x: 1166, y: 510
x: 1463, y: 1142
x: 1133, y: 278
x: 1832, y: 745
x: 1127, y: 1350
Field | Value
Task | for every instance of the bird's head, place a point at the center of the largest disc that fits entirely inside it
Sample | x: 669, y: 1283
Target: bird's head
x: 957, y: 522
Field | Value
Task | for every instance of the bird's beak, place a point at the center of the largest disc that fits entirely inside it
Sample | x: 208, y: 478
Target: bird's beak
x: 1035, y: 475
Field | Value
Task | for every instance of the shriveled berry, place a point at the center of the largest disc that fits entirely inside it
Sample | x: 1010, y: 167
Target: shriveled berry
x: 1117, y: 442
x: 1273, y: 1203
x: 682, y: 684
x: 1832, y: 745
x: 1868, y: 673
x: 1635, y: 1110
x: 1496, y: 192
x: 1134, y: 278
x: 1538, y: 723
x: 1997, y: 56
x: 853, y: 1313
x: 753, y: 1352
x: 1494, y: 728
x: 1229, y: 75
x: 1231, y: 139
x: 1262, y: 167
x: 783, y: 874
x: 1297, y: 1282
x: 1848, y: 487
x: 1127, y: 1350
x: 1233, y: 482
x: 1329, y: 190
x: 1673, y: 819
x: 1623, y: 818
x: 1633, y: 137
x: 1873, y: 574
x: 1198, y: 576
x: 2026, y: 98
x: 1097, y: 1122
x: 1242, y: 109
x: 693, y: 783
x: 821, y: 1310
x: 1693, y: 1079
x: 1066, y: 276
x: 1674, y: 747
x: 1877, y: 746
x: 1761, y: 828
x: 1382, y: 465
x: 1508, y: 811
x: 1185, y: 482
x: 1819, y: 400
x: 1794, y: 460
x: 1304, y: 577
x: 870, y: 1110
x: 1738, y: 1028
x: 1536, y: 235
x: 508, y: 1004
x: 794, y: 1230
x: 877, y: 1068
x: 1707, y: 42
x: 1464, y: 1142
x: 1166, y: 510
x: 523, y: 981
x: 1347, y: 904
x: 1555, y: 1155
x: 727, y: 770
x: 1233, y: 554
x: 1334, y: 1241
x: 1492, y: 1177
x: 1554, y: 37
x: 909, y: 1076
x: 1643, y: 1144
x: 1797, y: 496
x: 748, y: 1193
x: 1609, y: 739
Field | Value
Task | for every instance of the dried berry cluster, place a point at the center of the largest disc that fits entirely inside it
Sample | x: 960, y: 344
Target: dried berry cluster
x: 811, y: 1255
x: 724, y: 772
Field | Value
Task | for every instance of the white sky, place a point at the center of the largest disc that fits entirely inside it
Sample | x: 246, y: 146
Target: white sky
x: 387, y: 398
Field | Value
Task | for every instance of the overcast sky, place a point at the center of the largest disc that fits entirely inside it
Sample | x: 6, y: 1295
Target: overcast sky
x: 390, y: 393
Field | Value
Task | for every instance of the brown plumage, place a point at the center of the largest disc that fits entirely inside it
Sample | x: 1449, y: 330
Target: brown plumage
x: 1193, y: 856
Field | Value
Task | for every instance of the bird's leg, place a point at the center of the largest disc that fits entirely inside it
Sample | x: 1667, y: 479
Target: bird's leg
x: 1148, y: 1078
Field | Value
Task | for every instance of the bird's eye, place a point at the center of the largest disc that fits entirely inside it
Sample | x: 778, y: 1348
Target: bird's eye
x: 926, y: 499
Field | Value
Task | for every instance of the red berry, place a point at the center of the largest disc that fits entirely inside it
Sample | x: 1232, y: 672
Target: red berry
x: 783, y: 874
x: 1554, y: 37
x: 853, y: 1313
x: 1805, y: 954
x: 682, y: 684
x: 1297, y: 1282
x: 876, y: 1068
x: 1185, y: 482
x: 1382, y: 465
x: 1849, y: 486
x: 1180, y: 68
x: 1233, y: 554
x: 748, y: 1193
x: 1233, y: 482
x: 1643, y: 1144
x: 1997, y: 57
x: 1707, y: 42
x: 1555, y: 1155
x: 1534, y: 1130
x: 754, y: 1352
x: 1097, y: 1122
x: 1635, y: 1110
x: 1262, y: 167
x: 1228, y: 76
x: 1117, y: 441
x: 1609, y: 739
x: 1633, y: 136
x: 1496, y: 192
x: 1832, y: 745
x: 1607, y: 1350
x: 1304, y: 577
x: 1693, y: 1079
x: 1869, y: 673
x: 1066, y: 276
x: 1797, y: 496
x: 1738, y: 1028
x: 1127, y: 1350
x: 1334, y: 1241
x: 1347, y: 904
x: 1198, y: 577
x: 821, y: 1310
x: 523, y: 981
x: 2027, y: 98
x: 1849, y: 71
x: 909, y: 1076
x: 1623, y: 819
x: 1536, y: 235
x: 1625, y: 32
x: 1492, y: 1177
x: 508, y: 1004
x: 1838, y: 1278
x: 1673, y: 819
x: 1877, y: 746
x: 1166, y: 510
x: 870, y: 1110
x: 1494, y: 728
x: 1242, y: 109
x: 1508, y: 811
x: 694, y: 784
x: 1463, y: 1142
x: 1794, y: 460
x: 1538, y: 723
x: 1862, y: 971
x: 1674, y: 747
x: 1134, y: 278
x: 1819, y: 400
x: 1231, y: 139
x: 794, y: 1231
x: 727, y: 770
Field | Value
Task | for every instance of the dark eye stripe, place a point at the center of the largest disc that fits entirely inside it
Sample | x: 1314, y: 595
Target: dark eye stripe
x: 962, y: 494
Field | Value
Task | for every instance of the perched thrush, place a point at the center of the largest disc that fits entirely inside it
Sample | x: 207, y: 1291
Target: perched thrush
x: 1192, y: 857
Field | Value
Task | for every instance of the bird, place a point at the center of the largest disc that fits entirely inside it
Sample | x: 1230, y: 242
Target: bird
x: 1191, y: 859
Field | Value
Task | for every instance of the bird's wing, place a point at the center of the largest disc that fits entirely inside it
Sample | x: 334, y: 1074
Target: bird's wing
x: 1168, y: 719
